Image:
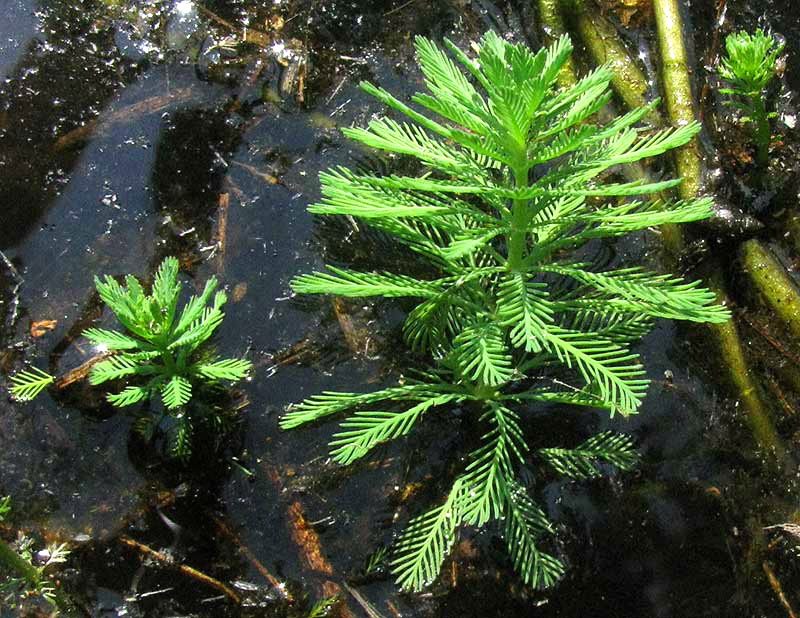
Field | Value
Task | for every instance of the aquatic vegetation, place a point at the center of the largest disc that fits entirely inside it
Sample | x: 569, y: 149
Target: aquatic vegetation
x: 508, y: 320
x: 749, y: 66
x: 161, y: 346
x: 27, y: 579
x: 323, y: 607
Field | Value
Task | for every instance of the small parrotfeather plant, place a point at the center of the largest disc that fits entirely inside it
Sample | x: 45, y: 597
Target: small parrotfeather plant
x: 749, y: 66
x: 161, y: 346
x: 510, y: 187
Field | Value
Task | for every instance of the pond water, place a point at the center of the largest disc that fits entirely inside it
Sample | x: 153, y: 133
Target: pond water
x: 133, y: 131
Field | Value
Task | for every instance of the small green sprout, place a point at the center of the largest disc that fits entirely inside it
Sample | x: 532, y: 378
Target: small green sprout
x: 323, y: 607
x: 160, y: 345
x: 23, y: 578
x: 750, y: 65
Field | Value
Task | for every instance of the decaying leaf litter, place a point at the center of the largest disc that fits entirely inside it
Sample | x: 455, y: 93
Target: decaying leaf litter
x: 264, y: 262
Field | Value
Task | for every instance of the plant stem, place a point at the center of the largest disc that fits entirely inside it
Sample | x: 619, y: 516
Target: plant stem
x: 740, y: 375
x: 169, y: 362
x: 552, y: 26
x: 605, y: 45
x: 762, y: 132
x: 14, y: 562
x: 678, y: 92
x: 773, y: 283
x: 518, y: 236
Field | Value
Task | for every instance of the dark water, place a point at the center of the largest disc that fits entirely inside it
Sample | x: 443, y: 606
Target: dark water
x: 115, y: 149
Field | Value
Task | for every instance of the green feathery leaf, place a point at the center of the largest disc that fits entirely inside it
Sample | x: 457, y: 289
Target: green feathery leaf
x: 351, y: 283
x: 525, y: 524
x: 482, y: 355
x: 328, y: 403
x: 611, y: 368
x: 511, y: 182
x: 364, y: 429
x: 28, y: 383
x: 426, y: 541
x: 118, y: 366
x: 226, y: 369
x: 487, y: 478
x: 580, y: 462
x: 176, y: 392
x: 523, y: 306
x: 129, y: 395
x: 111, y: 339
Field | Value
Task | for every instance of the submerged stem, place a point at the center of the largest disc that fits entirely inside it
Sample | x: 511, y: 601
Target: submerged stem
x: 762, y: 132
x: 678, y: 92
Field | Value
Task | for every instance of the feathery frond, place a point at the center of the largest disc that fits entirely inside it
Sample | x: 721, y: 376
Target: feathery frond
x: 328, y: 403
x: 364, y: 429
x: 226, y: 369
x: 525, y: 525
x: 481, y: 354
x: 581, y: 462
x: 129, y: 395
x: 158, y: 349
x: 426, y: 541
x: 28, y: 383
x: 176, y: 392
x: 111, y: 339
x: 350, y: 283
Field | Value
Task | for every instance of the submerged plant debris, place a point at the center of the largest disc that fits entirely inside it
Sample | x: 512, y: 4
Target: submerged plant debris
x: 132, y: 131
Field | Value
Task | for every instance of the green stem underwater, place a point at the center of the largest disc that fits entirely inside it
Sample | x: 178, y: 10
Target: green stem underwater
x: 517, y: 239
x: 763, y: 134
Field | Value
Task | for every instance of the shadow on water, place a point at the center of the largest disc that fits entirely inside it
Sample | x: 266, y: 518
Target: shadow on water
x: 123, y: 141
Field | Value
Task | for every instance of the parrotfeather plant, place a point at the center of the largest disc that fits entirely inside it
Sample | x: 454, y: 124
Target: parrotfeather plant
x: 161, y: 347
x: 510, y: 184
x: 749, y: 66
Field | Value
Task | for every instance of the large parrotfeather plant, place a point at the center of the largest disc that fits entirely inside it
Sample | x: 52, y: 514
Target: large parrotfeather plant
x: 510, y: 184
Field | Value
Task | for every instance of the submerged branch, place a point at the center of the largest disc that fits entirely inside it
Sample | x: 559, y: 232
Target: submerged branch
x: 552, y: 26
x: 186, y: 570
x: 772, y: 282
x: 605, y: 45
x: 678, y: 92
x: 740, y: 377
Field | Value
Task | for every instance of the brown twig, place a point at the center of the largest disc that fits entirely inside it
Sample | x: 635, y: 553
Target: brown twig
x: 249, y: 35
x: 247, y: 553
x: 307, y: 540
x: 81, y: 371
x: 268, y: 178
x: 778, y: 589
x: 186, y: 570
x: 761, y: 330
x: 362, y: 601
x: 222, y: 230
x: 150, y: 105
